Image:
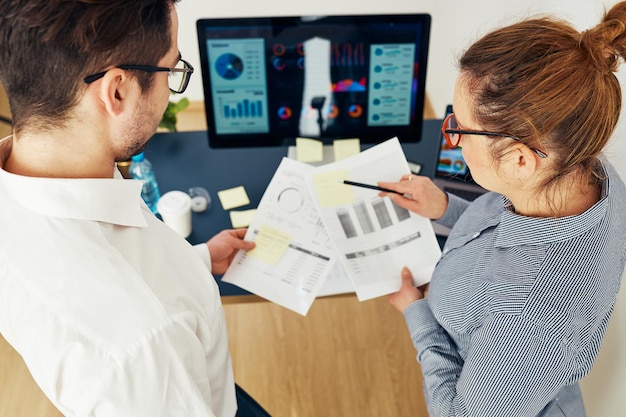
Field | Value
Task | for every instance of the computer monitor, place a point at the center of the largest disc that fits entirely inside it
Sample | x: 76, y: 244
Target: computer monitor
x: 270, y: 80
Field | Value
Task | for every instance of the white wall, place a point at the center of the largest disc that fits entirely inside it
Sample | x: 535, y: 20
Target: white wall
x: 455, y: 25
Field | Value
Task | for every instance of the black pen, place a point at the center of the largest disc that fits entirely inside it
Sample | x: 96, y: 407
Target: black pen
x: 371, y: 187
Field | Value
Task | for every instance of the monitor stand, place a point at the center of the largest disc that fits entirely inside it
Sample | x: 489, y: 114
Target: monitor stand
x: 328, y: 155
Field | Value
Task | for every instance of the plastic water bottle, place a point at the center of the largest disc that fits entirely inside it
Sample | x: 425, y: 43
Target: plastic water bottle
x: 141, y: 169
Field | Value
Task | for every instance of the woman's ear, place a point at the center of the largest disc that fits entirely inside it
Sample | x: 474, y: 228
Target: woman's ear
x: 525, y: 161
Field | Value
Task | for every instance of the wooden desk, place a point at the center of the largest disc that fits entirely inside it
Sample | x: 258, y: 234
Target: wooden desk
x: 345, y: 358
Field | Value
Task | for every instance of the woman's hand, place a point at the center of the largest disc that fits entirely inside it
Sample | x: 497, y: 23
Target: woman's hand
x: 408, y: 292
x: 419, y: 195
x: 223, y: 247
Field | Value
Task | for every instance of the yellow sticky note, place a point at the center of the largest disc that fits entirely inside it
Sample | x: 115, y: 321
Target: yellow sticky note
x: 343, y: 148
x: 309, y: 150
x: 233, y: 197
x: 271, y: 244
x: 242, y: 218
x: 331, y: 190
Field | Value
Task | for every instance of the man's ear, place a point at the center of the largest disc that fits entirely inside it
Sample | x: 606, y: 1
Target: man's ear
x: 116, y: 88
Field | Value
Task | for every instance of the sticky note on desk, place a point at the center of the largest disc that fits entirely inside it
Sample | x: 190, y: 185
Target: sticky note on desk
x: 344, y: 148
x: 309, y: 150
x: 242, y: 218
x: 233, y: 197
x: 271, y: 244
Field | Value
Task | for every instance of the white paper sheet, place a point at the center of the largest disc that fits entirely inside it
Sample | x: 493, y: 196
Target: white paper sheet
x: 337, y: 282
x: 299, y: 274
x: 373, y: 237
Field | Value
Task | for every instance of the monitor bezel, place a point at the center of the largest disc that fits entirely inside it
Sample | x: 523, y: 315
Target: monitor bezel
x: 409, y: 134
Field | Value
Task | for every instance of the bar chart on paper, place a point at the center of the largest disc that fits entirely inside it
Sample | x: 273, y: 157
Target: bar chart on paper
x: 356, y: 220
x: 373, y: 237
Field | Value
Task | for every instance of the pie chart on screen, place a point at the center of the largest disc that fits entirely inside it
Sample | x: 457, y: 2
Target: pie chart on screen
x: 284, y: 113
x: 229, y: 66
x: 355, y: 111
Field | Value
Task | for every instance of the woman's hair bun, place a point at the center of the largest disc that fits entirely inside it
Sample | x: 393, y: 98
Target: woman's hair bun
x: 606, y: 43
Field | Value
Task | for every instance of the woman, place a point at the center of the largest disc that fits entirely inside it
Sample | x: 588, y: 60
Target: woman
x: 521, y: 297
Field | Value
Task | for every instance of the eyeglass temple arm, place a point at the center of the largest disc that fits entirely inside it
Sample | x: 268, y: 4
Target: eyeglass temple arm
x: 494, y: 134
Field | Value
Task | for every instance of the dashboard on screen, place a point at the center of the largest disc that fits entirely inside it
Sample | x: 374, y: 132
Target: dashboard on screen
x: 269, y: 80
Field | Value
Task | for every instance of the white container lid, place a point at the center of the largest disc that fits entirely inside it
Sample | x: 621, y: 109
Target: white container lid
x: 173, y: 203
x: 175, y: 210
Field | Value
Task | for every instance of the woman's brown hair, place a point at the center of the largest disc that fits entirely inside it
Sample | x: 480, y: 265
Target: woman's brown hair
x: 551, y: 86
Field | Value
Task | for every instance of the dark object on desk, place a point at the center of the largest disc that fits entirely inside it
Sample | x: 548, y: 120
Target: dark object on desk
x: 469, y: 195
x: 269, y: 80
x: 182, y: 160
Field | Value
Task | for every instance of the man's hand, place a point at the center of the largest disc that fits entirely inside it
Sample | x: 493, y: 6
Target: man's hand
x: 223, y: 247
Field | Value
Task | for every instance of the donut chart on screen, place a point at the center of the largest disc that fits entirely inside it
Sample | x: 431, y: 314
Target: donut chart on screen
x: 355, y: 111
x: 284, y: 113
x: 229, y: 66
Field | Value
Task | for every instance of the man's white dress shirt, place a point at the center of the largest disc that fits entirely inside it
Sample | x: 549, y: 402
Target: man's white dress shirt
x: 113, y: 312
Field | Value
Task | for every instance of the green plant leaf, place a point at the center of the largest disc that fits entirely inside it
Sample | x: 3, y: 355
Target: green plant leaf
x: 181, y: 105
x: 169, y: 119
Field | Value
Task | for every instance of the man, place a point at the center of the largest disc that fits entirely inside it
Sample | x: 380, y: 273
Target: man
x: 113, y: 312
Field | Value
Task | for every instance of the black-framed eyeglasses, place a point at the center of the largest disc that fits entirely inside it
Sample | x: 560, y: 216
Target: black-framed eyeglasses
x: 178, y: 78
x: 452, y: 134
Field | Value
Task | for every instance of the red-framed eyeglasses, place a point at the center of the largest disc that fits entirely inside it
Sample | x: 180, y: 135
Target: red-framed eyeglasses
x: 452, y: 134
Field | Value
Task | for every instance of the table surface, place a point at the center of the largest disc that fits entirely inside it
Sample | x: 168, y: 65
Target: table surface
x: 182, y: 160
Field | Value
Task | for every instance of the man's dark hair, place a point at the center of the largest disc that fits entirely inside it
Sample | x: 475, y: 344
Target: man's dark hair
x: 47, y: 47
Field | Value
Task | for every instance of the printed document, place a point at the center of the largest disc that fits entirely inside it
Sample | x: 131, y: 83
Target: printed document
x: 373, y: 238
x: 294, y: 255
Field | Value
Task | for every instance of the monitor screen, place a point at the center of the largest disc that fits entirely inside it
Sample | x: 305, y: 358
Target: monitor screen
x: 269, y: 80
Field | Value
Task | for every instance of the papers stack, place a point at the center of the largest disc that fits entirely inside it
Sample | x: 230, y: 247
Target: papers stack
x: 317, y: 236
